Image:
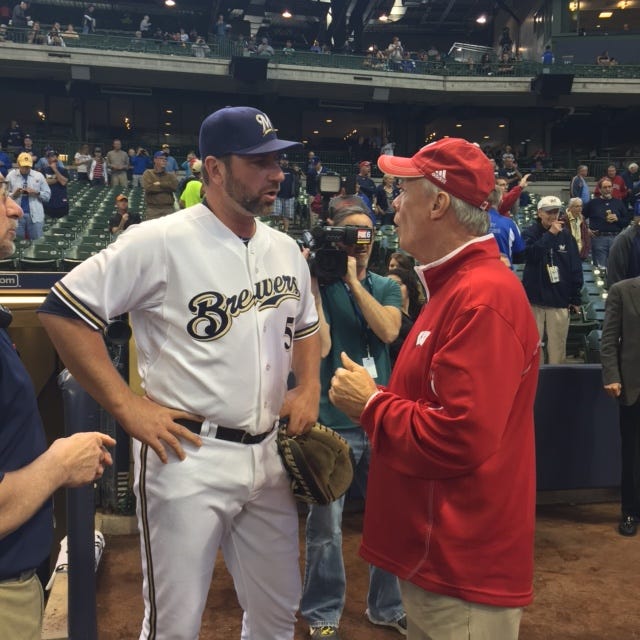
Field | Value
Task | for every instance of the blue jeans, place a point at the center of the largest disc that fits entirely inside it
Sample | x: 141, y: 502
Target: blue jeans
x: 324, y: 587
x: 600, y: 246
x: 33, y: 230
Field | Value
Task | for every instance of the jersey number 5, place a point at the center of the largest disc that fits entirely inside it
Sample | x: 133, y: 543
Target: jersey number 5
x: 288, y: 333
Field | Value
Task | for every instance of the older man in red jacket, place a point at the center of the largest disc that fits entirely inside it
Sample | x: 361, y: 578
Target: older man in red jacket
x: 453, y: 456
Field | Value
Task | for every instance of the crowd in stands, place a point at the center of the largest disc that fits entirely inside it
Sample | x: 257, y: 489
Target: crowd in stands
x: 22, y: 24
x: 592, y: 218
x: 220, y: 39
x: 37, y: 178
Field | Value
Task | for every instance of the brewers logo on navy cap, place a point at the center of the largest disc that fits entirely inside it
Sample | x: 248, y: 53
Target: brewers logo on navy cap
x: 240, y: 131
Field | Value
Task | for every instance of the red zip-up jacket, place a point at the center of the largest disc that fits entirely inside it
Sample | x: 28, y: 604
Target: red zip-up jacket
x: 451, y: 492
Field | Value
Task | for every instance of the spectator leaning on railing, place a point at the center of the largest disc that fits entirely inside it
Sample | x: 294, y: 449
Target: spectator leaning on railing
x: 288, y: 48
x: 395, y: 52
x: 265, y: 49
x: 54, y: 37
x: 70, y: 32
x: 200, y: 48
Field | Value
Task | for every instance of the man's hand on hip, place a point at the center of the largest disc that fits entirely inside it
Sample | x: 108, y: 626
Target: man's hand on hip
x: 154, y: 425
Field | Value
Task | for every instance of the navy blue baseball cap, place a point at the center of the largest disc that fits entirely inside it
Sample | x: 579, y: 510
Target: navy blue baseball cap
x: 240, y: 131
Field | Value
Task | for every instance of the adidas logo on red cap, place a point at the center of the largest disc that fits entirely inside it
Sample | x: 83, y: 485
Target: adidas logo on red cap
x: 440, y: 175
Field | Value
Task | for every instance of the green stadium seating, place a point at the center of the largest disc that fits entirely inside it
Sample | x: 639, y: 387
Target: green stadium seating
x: 40, y: 256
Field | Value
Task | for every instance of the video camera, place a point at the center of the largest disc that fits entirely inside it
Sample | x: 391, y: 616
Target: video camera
x: 327, y: 262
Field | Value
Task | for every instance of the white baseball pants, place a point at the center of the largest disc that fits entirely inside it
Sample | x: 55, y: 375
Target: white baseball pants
x: 223, y: 495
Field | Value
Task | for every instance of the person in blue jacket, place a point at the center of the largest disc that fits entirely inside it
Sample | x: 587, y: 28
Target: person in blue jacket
x: 552, y: 276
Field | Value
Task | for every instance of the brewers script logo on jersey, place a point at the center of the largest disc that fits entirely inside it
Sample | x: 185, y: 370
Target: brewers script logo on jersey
x: 214, y: 312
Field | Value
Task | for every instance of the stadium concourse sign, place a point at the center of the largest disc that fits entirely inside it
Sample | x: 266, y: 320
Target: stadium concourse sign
x: 28, y: 281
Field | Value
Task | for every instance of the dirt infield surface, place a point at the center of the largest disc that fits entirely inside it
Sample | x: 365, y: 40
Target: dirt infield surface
x: 585, y: 584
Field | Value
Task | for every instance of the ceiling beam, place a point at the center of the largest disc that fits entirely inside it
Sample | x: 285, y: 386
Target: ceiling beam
x: 445, y: 13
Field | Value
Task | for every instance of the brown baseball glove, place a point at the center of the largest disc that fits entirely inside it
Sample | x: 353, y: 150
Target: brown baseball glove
x: 319, y: 462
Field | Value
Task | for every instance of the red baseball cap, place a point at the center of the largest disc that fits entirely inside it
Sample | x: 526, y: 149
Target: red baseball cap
x: 457, y: 166
x: 365, y: 163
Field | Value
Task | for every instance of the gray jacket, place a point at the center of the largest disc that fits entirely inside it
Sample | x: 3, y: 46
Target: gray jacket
x: 620, y: 344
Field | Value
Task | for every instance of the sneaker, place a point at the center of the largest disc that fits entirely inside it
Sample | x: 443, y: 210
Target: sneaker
x: 324, y: 632
x: 400, y: 625
x: 627, y: 526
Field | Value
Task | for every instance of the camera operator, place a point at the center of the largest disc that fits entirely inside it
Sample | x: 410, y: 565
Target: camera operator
x: 363, y: 314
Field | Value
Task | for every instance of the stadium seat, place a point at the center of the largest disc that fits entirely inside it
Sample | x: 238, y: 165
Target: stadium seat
x: 40, y: 256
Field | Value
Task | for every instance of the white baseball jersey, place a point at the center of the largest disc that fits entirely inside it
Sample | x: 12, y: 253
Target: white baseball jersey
x: 214, y: 319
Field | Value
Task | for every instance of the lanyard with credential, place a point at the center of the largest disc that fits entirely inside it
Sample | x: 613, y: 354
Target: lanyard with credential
x: 367, y: 361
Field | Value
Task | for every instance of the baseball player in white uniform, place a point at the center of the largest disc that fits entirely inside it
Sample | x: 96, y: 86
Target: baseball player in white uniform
x: 221, y: 310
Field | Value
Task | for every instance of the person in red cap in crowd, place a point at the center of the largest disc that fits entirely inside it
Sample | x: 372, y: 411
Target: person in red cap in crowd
x: 122, y: 219
x: 453, y: 459
x: 366, y: 185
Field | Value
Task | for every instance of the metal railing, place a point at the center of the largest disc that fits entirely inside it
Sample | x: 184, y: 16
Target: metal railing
x: 225, y: 48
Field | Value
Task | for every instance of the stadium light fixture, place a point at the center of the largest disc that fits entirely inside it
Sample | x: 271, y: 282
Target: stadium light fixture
x: 287, y: 14
x: 170, y: 3
x: 482, y: 19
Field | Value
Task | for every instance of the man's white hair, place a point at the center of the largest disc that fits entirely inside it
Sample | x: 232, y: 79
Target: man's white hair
x: 474, y: 220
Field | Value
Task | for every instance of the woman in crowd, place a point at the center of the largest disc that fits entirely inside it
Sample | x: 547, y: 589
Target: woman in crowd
x: 411, y: 305
x: 98, y: 174
x: 402, y: 261
x: 82, y: 162
x: 386, y: 192
x: 578, y: 228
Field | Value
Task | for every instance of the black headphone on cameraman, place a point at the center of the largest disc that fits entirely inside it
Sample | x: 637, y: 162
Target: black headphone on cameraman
x: 5, y: 317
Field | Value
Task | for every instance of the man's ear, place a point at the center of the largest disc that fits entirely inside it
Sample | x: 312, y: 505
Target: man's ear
x: 215, y: 169
x: 440, y: 205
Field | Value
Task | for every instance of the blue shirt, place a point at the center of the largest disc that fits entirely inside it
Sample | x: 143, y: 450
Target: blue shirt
x: 506, y: 233
x: 5, y: 163
x: 186, y: 167
x: 172, y: 165
x: 22, y: 440
x: 140, y: 164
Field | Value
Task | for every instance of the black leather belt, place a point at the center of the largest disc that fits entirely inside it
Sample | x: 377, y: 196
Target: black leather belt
x: 225, y: 433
